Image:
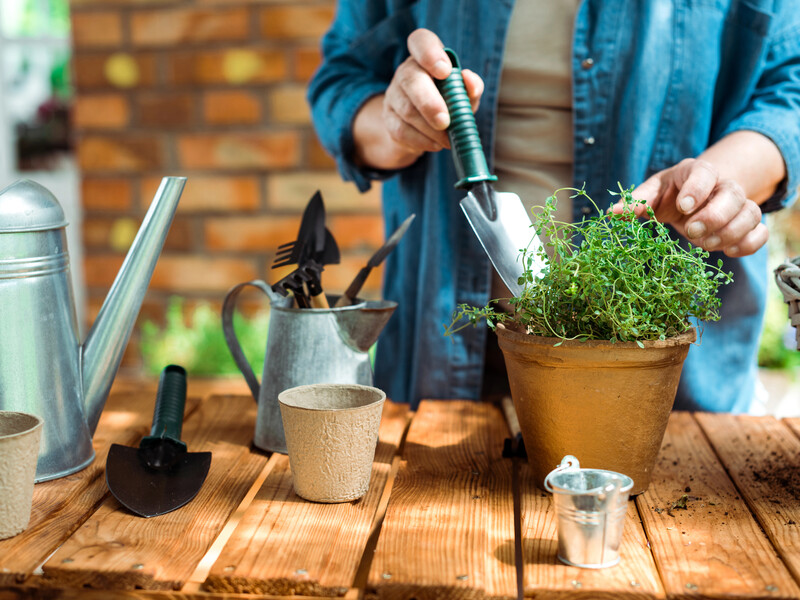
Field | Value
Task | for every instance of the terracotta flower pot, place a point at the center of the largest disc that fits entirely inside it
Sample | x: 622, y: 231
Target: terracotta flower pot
x: 607, y: 404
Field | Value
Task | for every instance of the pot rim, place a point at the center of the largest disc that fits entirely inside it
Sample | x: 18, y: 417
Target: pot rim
x: 501, y: 330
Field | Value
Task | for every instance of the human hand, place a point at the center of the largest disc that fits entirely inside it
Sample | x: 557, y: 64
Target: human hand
x: 711, y: 212
x: 414, y: 111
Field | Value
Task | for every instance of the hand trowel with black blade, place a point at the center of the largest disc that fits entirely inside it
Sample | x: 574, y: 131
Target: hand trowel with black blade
x: 499, y: 219
x: 160, y: 475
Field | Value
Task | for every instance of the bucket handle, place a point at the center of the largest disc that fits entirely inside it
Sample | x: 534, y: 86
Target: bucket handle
x: 568, y: 463
x: 239, y: 358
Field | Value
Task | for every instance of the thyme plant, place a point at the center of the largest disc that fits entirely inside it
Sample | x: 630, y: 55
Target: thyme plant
x: 611, y: 277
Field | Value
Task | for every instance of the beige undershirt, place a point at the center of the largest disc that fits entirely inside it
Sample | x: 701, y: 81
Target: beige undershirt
x: 533, y: 147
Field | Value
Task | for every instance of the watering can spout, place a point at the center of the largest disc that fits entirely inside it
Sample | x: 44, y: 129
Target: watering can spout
x: 105, y: 343
x: 360, y: 328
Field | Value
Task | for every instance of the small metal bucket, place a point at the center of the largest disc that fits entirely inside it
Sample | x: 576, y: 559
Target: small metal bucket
x: 590, y: 506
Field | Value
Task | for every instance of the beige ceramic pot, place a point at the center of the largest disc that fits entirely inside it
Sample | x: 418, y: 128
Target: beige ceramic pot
x: 607, y: 404
x: 20, y: 435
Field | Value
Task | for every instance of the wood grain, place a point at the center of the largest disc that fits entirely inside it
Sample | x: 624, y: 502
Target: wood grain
x: 713, y: 547
x: 60, y: 506
x: 448, y: 530
x: 117, y: 549
x: 287, y: 545
x: 762, y: 456
x: 546, y: 576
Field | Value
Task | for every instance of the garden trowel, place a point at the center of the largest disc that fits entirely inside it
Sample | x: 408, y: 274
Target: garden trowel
x: 499, y: 219
x: 160, y: 475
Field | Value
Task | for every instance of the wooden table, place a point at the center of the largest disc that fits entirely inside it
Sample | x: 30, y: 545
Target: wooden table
x: 438, y: 520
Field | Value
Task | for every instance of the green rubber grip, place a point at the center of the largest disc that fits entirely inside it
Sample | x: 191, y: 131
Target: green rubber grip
x: 170, y: 404
x: 465, y: 142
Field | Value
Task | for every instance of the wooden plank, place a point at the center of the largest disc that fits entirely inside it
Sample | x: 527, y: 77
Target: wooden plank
x: 116, y: 549
x: 545, y: 576
x: 60, y: 506
x: 713, y: 547
x: 762, y: 456
x: 448, y: 530
x: 286, y: 545
x: 31, y: 592
x: 794, y: 424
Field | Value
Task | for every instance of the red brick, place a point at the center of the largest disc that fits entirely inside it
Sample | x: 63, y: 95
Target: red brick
x: 106, y: 194
x: 203, y: 193
x: 231, y: 107
x: 96, y: 29
x: 262, y: 150
x: 231, y: 66
x: 306, y: 61
x: 130, y: 154
x: 165, y: 110
x: 292, y: 191
x: 288, y: 22
x: 115, y: 234
x: 318, y: 157
x: 182, y: 274
x: 90, y: 71
x: 242, y: 234
x: 357, y: 232
x: 288, y: 105
x: 172, y: 27
x: 101, y: 111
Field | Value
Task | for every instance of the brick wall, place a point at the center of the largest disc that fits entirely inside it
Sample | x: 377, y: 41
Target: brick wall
x: 213, y: 90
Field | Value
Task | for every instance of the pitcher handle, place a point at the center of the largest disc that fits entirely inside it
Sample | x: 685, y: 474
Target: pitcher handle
x: 239, y: 358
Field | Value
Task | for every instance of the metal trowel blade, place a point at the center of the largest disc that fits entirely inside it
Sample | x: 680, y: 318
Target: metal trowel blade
x: 151, y: 492
x: 503, y: 227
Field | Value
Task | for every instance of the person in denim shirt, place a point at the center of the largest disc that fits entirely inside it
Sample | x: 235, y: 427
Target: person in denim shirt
x: 696, y: 101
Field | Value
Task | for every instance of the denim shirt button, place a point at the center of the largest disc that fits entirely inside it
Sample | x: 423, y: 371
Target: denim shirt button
x: 587, y: 63
x: 588, y: 140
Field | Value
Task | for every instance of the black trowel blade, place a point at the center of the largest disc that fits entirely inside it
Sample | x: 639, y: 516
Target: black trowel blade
x: 151, y: 492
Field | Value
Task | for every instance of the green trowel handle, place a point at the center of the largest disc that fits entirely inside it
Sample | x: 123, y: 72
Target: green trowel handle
x: 170, y: 403
x: 468, y: 154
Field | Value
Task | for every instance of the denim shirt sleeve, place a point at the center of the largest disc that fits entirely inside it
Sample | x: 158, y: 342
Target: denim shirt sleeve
x: 359, y: 54
x: 774, y: 107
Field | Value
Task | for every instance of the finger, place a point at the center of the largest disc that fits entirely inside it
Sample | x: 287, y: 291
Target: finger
x: 474, y: 86
x: 749, y: 244
x: 696, y: 180
x: 428, y: 51
x: 722, y: 206
x: 649, y: 190
x: 739, y: 226
x: 413, y: 92
x: 403, y: 131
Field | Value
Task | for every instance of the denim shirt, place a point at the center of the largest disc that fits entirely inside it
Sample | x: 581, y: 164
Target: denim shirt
x: 666, y: 79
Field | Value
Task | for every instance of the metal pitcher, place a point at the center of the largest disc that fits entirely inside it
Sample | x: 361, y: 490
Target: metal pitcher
x: 305, y: 346
x: 44, y: 368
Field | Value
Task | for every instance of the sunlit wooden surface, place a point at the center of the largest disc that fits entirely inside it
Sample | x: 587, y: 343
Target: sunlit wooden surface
x: 438, y: 520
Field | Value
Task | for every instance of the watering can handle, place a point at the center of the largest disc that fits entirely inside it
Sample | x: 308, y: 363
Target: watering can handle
x: 239, y: 358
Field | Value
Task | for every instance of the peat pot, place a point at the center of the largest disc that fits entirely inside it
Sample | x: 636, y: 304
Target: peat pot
x: 605, y: 403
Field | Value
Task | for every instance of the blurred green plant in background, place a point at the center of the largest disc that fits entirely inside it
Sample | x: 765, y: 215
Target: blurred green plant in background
x: 194, y: 340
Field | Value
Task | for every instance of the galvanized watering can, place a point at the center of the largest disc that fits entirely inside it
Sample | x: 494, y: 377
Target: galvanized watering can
x: 44, y: 368
x: 305, y: 346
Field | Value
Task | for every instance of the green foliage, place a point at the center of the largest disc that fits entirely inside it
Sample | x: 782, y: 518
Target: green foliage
x: 200, y: 346
x: 612, y: 277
